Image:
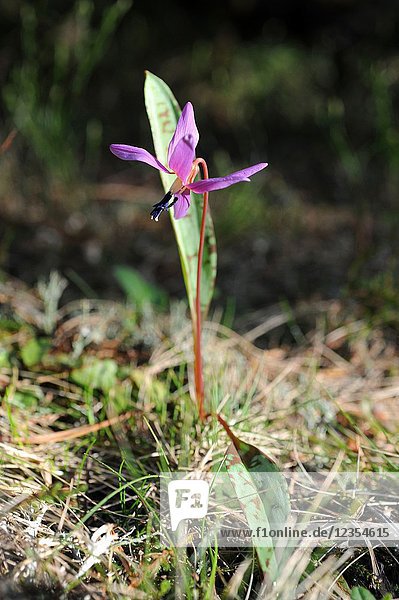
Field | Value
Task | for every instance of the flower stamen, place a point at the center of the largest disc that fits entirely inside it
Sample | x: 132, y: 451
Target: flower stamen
x: 165, y: 204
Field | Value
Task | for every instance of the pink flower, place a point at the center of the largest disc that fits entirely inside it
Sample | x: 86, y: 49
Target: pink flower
x: 181, y: 162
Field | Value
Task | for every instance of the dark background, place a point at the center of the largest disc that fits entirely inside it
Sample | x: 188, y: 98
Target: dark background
x: 310, y: 87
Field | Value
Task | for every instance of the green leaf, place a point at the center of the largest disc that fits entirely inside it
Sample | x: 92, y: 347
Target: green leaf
x: 246, y: 466
x: 32, y: 353
x: 4, y: 359
x: 96, y: 374
x: 139, y: 291
x: 165, y: 587
x: 360, y: 593
x: 163, y: 113
x: 25, y: 400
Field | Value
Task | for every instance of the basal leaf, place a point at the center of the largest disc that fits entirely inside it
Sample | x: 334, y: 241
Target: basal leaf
x: 163, y: 113
x: 253, y: 508
x: 247, y: 467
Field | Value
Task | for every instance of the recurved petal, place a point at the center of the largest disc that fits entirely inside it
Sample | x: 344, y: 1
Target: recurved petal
x: 182, y: 157
x: 185, y: 126
x: 182, y: 205
x: 133, y: 153
x: 218, y: 183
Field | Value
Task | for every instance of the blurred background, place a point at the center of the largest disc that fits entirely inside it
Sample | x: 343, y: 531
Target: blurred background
x: 311, y: 87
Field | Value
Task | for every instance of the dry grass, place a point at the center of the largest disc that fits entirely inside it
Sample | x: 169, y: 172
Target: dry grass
x: 80, y: 457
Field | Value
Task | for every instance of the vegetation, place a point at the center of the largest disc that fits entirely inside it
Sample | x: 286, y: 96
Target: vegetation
x: 300, y: 347
x: 95, y: 406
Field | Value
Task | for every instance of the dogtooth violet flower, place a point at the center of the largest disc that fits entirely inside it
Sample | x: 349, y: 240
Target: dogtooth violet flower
x: 181, y: 162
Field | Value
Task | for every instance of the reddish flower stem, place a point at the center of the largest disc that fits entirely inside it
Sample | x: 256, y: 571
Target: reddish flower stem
x: 198, y: 365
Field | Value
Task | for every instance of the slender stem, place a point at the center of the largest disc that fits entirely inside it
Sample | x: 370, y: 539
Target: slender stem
x: 198, y: 366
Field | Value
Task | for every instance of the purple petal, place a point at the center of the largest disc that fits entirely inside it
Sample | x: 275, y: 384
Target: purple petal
x: 182, y: 157
x: 185, y: 126
x: 182, y: 205
x: 132, y: 153
x: 218, y: 183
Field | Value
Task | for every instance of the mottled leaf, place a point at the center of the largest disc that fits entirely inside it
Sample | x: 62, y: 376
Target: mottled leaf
x: 247, y: 467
